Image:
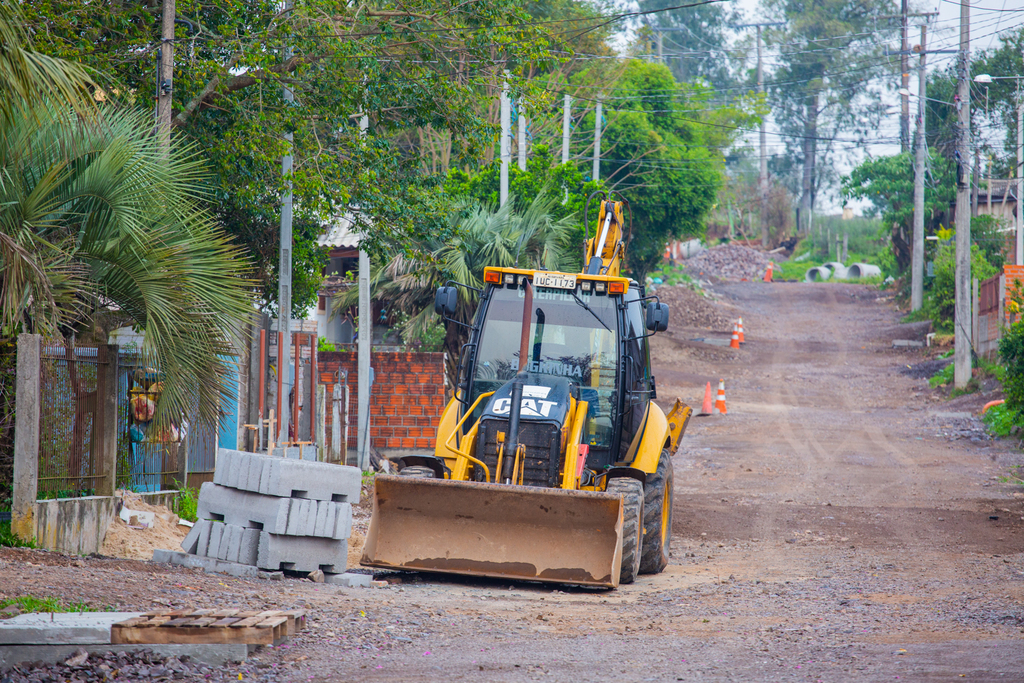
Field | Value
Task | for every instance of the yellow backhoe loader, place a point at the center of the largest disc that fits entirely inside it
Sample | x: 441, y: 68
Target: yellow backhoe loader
x: 552, y: 462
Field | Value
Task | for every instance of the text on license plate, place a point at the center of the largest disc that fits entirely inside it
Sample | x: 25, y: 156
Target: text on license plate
x: 554, y: 280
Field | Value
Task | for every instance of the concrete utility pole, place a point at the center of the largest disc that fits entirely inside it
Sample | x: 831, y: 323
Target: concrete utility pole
x: 598, y: 115
x: 962, y: 308
x: 917, y: 253
x: 904, y: 79
x: 521, y: 142
x: 762, y: 181
x: 166, y: 84
x: 364, y: 348
x: 284, y: 273
x: 566, y: 127
x: 1020, y: 177
x: 661, y: 48
x: 504, y: 144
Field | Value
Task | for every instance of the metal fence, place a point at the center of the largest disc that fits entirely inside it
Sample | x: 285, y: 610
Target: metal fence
x: 68, y: 464
x: 147, y: 461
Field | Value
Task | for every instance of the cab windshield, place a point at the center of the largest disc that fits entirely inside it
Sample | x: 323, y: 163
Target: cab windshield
x: 566, y: 340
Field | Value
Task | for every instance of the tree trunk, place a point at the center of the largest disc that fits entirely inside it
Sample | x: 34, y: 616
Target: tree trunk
x: 810, y: 149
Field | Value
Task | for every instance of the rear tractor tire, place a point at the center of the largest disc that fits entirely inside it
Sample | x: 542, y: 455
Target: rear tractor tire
x: 632, y: 493
x: 658, y: 495
x: 416, y: 472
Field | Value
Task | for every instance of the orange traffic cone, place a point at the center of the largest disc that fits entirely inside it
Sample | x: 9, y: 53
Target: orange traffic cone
x: 739, y: 325
x: 707, y: 407
x: 768, y: 273
x: 735, y: 343
x: 720, y: 401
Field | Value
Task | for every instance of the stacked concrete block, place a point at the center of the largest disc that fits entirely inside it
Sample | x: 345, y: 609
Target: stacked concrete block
x: 276, y: 513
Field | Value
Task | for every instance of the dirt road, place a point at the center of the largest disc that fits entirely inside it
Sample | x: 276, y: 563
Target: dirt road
x: 834, y: 526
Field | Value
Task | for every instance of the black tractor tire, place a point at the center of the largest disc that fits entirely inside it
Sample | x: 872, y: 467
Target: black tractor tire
x: 658, y: 494
x: 417, y: 472
x: 632, y: 492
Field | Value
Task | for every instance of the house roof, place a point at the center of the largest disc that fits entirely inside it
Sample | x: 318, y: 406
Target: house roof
x: 343, y: 233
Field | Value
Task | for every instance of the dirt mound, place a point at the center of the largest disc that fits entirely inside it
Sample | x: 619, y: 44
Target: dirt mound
x: 688, y: 308
x: 128, y: 541
x: 729, y: 261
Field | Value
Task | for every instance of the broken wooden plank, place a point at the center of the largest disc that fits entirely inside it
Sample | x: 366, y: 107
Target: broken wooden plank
x: 188, y: 635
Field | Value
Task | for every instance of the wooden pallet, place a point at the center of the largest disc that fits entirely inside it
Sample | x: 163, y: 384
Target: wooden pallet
x: 196, y: 626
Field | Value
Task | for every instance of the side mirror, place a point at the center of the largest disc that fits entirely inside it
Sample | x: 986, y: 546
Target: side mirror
x: 657, y: 317
x: 445, y: 301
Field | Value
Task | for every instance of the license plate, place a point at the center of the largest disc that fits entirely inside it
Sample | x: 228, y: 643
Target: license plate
x: 554, y: 280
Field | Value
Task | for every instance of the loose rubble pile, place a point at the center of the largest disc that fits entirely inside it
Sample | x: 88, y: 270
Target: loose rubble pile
x: 276, y: 513
x: 729, y: 261
x: 111, y: 666
x: 688, y: 308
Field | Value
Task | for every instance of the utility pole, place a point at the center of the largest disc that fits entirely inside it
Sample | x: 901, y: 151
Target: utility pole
x: 904, y: 80
x: 522, y: 137
x: 962, y: 308
x: 762, y: 183
x: 284, y: 268
x: 917, y: 253
x: 598, y: 115
x: 566, y: 127
x: 504, y: 146
x: 166, y: 84
x: 1020, y: 177
x: 364, y: 348
x: 661, y: 47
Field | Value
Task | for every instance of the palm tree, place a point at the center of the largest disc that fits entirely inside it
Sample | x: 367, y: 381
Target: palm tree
x: 96, y: 215
x: 486, y: 237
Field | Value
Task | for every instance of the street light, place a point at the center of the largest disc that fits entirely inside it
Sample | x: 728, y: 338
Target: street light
x: 986, y: 79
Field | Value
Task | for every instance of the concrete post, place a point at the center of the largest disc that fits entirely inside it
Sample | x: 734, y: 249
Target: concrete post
x: 106, y: 417
x: 975, y: 319
x: 921, y: 150
x: 598, y: 115
x: 26, y: 436
x: 321, y: 418
x: 504, y: 146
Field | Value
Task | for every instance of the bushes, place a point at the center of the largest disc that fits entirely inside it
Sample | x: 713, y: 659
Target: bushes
x: 941, y: 302
x: 1011, y: 351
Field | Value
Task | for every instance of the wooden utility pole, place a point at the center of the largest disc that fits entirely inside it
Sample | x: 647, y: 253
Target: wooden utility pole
x: 165, y: 85
x: 962, y: 308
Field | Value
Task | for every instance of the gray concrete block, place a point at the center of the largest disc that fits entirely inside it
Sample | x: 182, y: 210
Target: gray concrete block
x: 216, y: 538
x: 343, y: 526
x: 204, y: 537
x: 302, y: 553
x: 277, y: 515
x: 250, y: 547
x: 321, y: 519
x: 284, y: 476
x: 207, y: 564
x: 230, y: 543
x: 191, y: 541
x: 71, y: 628
x: 349, y: 579
x: 311, y: 480
x: 209, y: 655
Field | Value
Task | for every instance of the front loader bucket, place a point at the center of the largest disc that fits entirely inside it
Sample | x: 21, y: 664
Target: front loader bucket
x: 497, y: 530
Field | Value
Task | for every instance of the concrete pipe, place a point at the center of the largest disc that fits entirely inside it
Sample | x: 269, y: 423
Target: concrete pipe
x: 838, y: 270
x: 817, y: 274
x: 860, y: 270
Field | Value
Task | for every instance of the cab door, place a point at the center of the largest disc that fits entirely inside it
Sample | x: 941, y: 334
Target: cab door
x: 636, y: 374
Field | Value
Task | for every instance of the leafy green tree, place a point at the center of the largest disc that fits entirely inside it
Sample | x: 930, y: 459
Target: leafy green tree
x: 419, y: 64
x: 695, y: 40
x: 485, y: 236
x: 888, y: 184
x: 831, y: 50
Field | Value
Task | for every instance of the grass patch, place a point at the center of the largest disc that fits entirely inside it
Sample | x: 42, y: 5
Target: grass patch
x: 187, y: 504
x: 999, y: 420
x: 942, y: 377
x: 9, y: 540
x: 30, y: 603
x: 672, y: 275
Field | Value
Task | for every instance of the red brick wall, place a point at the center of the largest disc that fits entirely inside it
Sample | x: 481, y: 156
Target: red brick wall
x: 406, y: 399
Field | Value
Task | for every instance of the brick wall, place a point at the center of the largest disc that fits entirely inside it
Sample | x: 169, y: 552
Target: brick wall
x: 406, y: 399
